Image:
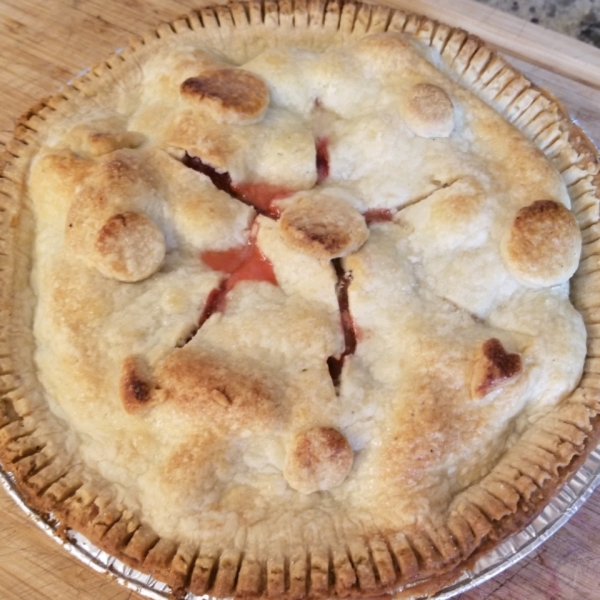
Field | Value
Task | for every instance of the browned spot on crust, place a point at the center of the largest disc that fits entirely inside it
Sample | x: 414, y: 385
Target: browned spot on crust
x: 96, y: 141
x: 543, y: 245
x: 493, y: 367
x: 323, y: 226
x: 230, y: 94
x: 62, y: 171
x: 99, y: 142
x: 134, y: 387
x: 318, y: 459
x: 129, y: 247
x: 428, y: 111
x: 199, y: 382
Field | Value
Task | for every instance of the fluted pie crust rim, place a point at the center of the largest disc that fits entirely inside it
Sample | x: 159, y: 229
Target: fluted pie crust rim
x: 415, y: 561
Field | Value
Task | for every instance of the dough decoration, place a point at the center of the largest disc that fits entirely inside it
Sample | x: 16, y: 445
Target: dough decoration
x: 129, y: 247
x: 318, y: 460
x: 543, y: 246
x: 494, y: 366
x: 229, y: 95
x: 428, y: 111
x: 323, y: 225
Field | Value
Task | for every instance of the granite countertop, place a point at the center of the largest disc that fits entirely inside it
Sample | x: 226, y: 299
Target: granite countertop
x: 576, y: 18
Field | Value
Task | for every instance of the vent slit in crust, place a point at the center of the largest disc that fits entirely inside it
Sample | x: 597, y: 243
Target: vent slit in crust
x: 335, y: 364
x: 259, y: 196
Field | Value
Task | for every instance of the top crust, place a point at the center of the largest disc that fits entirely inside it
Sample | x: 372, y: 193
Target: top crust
x: 329, y: 398
x: 543, y: 246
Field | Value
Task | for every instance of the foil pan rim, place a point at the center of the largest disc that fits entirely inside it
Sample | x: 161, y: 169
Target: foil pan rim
x: 557, y: 512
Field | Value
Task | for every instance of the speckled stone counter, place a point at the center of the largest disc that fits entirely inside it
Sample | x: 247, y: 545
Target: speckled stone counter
x: 576, y: 18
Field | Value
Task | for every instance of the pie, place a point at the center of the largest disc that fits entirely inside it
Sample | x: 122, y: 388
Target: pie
x: 299, y: 301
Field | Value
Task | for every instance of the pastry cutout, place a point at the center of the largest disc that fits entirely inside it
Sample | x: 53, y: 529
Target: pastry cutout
x: 428, y: 111
x: 129, y: 247
x: 323, y: 226
x: 494, y: 366
x: 543, y: 246
x: 318, y: 460
x: 229, y: 95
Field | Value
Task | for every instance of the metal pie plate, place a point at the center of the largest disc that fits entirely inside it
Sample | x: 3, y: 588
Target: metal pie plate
x: 562, y: 507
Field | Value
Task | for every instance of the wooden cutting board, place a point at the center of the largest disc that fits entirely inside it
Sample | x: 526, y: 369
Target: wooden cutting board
x: 44, y: 43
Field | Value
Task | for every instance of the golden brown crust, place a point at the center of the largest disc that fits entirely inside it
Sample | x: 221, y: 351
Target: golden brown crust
x: 474, y: 527
x: 493, y: 366
x: 428, y: 111
x: 543, y: 245
x: 323, y: 226
x: 199, y: 382
x: 234, y: 95
x: 102, y: 137
x: 129, y: 247
x: 318, y: 459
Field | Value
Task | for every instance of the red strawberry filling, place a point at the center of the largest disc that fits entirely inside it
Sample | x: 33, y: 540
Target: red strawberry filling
x: 322, y: 148
x: 336, y: 363
x: 243, y: 263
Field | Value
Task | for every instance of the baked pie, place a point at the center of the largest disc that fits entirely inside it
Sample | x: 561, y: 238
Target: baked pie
x: 299, y: 300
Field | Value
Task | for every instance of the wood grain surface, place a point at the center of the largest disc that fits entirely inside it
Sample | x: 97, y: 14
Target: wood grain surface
x: 44, y: 43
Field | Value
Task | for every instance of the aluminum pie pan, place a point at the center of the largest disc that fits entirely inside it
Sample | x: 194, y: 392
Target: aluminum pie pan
x: 557, y: 512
